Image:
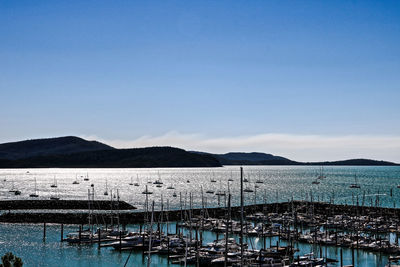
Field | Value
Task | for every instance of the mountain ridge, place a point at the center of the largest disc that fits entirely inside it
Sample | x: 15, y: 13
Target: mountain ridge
x: 71, y: 151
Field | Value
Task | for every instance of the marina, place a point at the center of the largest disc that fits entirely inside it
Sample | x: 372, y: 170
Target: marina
x: 192, y: 231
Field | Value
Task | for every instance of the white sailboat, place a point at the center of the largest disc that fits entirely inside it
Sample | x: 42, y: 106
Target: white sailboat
x: 259, y: 180
x: 231, y: 178
x: 147, y: 192
x: 247, y: 189
x: 355, y: 185
x: 137, y: 182
x: 34, y: 194
x: 14, y: 190
x: 321, y: 173
x: 76, y: 180
x: 55, y: 196
x: 54, y: 185
x: 106, y: 191
x: 212, y: 180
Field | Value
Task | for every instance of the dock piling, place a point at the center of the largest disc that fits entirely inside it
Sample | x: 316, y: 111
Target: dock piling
x: 62, y: 232
x: 44, y: 232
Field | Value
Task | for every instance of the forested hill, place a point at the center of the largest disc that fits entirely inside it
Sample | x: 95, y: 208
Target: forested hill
x: 257, y: 158
x: 49, y: 146
x: 117, y: 158
x: 70, y: 151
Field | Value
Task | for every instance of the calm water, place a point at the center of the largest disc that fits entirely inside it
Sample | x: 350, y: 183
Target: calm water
x: 26, y: 242
x: 280, y: 184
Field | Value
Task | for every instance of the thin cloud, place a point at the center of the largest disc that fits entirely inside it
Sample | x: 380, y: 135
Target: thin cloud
x: 295, y: 147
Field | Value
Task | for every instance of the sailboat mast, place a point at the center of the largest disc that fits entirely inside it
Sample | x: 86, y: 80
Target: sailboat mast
x: 241, y: 217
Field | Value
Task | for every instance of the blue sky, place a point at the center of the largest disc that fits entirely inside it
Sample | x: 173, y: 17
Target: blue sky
x: 166, y: 71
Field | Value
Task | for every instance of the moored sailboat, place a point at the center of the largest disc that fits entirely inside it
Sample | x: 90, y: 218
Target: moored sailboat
x: 35, y: 193
x: 356, y: 184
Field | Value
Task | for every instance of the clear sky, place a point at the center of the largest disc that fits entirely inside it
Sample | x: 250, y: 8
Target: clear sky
x: 311, y: 80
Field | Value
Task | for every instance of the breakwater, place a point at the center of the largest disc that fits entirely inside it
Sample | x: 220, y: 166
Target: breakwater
x: 62, y: 205
x: 128, y: 216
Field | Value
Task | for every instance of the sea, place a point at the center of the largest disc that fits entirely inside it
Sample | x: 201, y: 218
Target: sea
x: 378, y: 186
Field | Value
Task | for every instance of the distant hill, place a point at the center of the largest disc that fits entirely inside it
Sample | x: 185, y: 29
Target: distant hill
x: 49, y: 146
x: 253, y: 158
x: 75, y: 152
x: 257, y: 158
x: 117, y: 158
x: 355, y: 162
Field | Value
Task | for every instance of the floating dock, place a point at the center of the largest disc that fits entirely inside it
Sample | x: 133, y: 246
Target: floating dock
x: 129, y: 216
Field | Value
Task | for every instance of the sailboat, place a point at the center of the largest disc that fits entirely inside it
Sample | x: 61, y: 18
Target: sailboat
x: 212, y: 180
x: 158, y: 181
x: 76, y: 180
x: 86, y: 177
x: 174, y: 194
x: 106, y: 191
x: 245, y: 180
x: 131, y: 183
x: 170, y: 187
x: 220, y: 192
x: 231, y: 178
x: 248, y: 189
x: 54, y: 185
x: 355, y: 185
x: 34, y: 194
x: 147, y: 192
x: 55, y: 197
x: 259, y: 181
x: 137, y: 183
x: 316, y: 181
x: 321, y: 173
x: 13, y: 190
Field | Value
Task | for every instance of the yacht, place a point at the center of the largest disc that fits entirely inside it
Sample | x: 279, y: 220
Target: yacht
x: 355, y: 185
x: 248, y: 190
x: 106, y: 191
x: 54, y: 185
x: 34, y: 194
x: 76, y: 180
x: 147, y: 192
x: 231, y: 178
x: 137, y: 178
x: 12, y: 190
x: 170, y: 187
